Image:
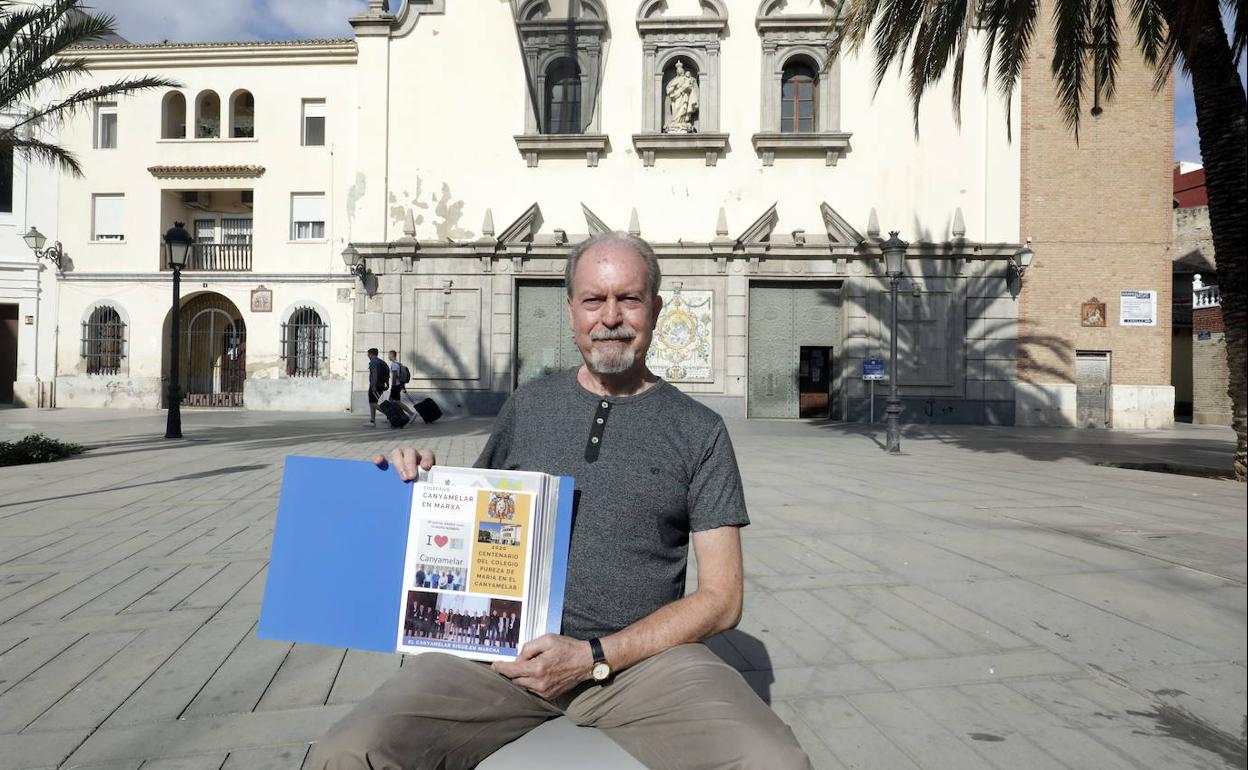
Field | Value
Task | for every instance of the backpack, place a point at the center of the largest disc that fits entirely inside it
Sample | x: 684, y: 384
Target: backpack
x: 405, y: 375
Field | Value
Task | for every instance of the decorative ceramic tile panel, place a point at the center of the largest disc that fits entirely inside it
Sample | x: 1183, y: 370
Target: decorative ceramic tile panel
x: 683, y: 339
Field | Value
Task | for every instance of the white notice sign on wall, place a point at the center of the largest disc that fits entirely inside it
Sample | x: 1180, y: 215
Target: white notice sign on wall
x: 1138, y: 308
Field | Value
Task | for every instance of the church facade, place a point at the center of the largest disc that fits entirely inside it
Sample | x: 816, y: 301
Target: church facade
x: 472, y: 144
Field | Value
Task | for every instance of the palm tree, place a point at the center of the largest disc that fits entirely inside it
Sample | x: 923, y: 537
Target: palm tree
x: 926, y: 36
x: 37, y: 43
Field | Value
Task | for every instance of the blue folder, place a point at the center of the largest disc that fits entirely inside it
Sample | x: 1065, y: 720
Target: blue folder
x: 336, y: 565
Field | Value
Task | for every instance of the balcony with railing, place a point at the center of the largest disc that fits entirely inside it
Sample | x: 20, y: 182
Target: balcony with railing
x: 1204, y: 295
x: 217, y: 257
x: 220, y: 222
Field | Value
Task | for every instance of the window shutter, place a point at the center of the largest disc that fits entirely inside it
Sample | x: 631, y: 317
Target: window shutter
x: 110, y: 216
x: 307, y: 207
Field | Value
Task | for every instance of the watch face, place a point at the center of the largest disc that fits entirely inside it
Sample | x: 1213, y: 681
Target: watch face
x: 601, y: 671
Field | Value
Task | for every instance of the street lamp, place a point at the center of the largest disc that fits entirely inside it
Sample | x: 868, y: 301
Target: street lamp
x: 355, y: 265
x: 177, y: 250
x: 894, y: 267
x: 1021, y: 259
x: 54, y: 253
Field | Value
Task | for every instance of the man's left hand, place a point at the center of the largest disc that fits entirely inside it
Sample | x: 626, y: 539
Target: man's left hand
x: 549, y: 665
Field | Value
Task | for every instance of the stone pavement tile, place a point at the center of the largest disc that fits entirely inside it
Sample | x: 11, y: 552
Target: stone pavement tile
x: 18, y: 660
x: 304, y: 679
x: 119, y: 597
x: 767, y: 584
x: 251, y: 594
x: 857, y: 610
x: 37, y: 750
x: 1117, y: 718
x: 224, y: 585
x: 289, y: 757
x: 989, y: 734
x: 97, y: 696
x: 790, y: 638
x: 916, y: 561
x: 920, y: 736
x: 233, y: 732
x: 722, y: 645
x: 43, y: 688
x: 813, y: 681
x: 166, y: 596
x: 211, y: 761
x: 855, y: 639
x: 125, y: 764
x: 1003, y: 552
x: 168, y: 691
x: 1108, y: 556
x: 1179, y: 613
x: 56, y: 604
x: 1214, y: 693
x: 945, y: 634
x: 132, y: 621
x: 996, y: 636
x: 851, y: 737
x: 1077, y: 631
x: 789, y: 556
x: 239, y: 683
x: 820, y: 755
x: 904, y: 674
x: 1070, y: 743
x: 360, y: 674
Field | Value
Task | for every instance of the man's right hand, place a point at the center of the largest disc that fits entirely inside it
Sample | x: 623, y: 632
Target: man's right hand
x: 407, y: 461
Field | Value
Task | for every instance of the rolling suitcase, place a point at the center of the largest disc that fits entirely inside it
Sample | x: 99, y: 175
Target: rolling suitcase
x: 427, y: 409
x: 394, y: 413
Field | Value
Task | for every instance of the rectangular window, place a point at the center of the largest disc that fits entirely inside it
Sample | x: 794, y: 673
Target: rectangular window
x: 307, y: 216
x: 236, y: 230
x: 6, y: 179
x: 108, y: 218
x: 205, y: 231
x: 313, y: 122
x: 106, y: 125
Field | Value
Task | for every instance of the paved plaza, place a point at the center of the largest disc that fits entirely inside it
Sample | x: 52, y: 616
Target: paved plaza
x: 993, y: 598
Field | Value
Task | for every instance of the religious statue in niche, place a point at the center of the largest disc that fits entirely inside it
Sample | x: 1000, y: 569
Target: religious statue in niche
x: 682, y: 101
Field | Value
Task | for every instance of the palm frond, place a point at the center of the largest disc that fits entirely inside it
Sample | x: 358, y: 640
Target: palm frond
x: 40, y: 50
x: 1239, y: 36
x: 30, y: 148
x: 1072, y: 38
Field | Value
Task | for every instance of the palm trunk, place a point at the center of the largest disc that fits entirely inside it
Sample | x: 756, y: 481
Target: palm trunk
x: 1222, y: 120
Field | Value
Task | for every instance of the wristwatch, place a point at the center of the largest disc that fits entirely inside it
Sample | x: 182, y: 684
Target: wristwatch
x: 602, y: 669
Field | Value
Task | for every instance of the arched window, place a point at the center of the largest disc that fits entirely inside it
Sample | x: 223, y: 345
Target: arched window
x: 797, y: 97
x: 242, y: 115
x: 173, y: 116
x: 104, y: 340
x: 563, y: 98
x: 208, y: 115
x: 305, y: 343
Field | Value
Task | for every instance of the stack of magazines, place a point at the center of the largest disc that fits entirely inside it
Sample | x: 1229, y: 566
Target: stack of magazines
x: 464, y: 561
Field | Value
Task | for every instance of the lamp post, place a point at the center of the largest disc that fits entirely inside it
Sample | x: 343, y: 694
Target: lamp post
x: 894, y: 250
x: 1021, y: 260
x: 177, y: 249
x: 55, y: 254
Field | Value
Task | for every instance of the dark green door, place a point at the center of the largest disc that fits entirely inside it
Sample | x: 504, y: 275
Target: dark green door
x: 544, y: 342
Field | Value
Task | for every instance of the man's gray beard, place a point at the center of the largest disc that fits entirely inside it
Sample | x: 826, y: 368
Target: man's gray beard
x: 602, y: 362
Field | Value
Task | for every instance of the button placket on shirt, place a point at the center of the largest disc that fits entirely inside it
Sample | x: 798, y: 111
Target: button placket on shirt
x: 596, y: 430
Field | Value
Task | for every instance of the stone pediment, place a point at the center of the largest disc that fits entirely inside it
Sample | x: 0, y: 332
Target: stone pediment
x: 760, y: 231
x: 596, y: 225
x: 524, y: 229
x: 839, y: 230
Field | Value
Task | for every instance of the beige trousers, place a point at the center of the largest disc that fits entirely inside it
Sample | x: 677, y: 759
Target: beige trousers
x: 684, y: 708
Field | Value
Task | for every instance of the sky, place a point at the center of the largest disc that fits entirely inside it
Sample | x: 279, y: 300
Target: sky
x: 190, y: 21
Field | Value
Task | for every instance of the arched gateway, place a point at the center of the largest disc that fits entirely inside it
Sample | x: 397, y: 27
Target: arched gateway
x: 213, y: 352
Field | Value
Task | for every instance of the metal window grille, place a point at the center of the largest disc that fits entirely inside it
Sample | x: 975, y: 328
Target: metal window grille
x: 305, y: 343
x: 205, y: 231
x: 104, y: 341
x: 236, y: 230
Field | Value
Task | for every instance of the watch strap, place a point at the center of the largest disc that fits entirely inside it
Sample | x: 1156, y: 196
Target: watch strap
x: 595, y: 646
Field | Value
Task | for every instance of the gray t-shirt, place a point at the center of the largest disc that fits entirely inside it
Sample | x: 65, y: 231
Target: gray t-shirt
x: 664, y: 467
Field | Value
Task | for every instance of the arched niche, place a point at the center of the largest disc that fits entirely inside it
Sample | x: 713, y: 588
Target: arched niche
x: 173, y: 115
x: 242, y: 114
x: 207, y: 115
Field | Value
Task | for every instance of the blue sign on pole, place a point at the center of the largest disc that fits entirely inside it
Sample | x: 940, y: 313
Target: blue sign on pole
x: 873, y: 369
